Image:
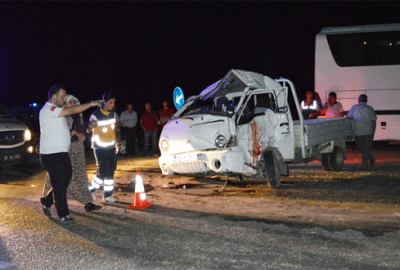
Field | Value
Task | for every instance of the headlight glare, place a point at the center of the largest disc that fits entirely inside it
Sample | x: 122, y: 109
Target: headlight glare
x: 27, y: 135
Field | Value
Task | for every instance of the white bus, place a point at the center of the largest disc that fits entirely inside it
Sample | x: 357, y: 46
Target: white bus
x: 365, y: 59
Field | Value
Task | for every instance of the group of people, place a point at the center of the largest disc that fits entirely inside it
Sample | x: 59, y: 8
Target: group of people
x: 62, y: 151
x: 363, y: 116
x: 150, y: 121
x: 311, y: 106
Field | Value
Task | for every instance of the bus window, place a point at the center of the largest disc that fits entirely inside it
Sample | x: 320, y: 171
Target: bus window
x: 365, y: 49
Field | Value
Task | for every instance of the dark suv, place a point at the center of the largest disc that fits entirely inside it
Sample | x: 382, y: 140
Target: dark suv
x: 15, y: 139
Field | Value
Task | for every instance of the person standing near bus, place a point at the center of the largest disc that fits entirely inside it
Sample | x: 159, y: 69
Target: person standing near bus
x: 106, y: 138
x: 364, y: 124
x: 309, y: 106
x: 318, y: 99
x: 332, y: 108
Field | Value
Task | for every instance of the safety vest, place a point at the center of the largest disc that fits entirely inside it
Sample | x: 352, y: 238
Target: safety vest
x: 312, y: 106
x: 103, y: 136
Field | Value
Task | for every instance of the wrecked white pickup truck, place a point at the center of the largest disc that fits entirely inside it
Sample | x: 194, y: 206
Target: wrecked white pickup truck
x: 242, y: 126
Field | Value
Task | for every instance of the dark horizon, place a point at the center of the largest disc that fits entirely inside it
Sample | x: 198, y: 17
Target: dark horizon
x: 142, y: 50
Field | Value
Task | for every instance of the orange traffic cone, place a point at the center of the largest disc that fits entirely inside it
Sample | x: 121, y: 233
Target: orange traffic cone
x: 139, y: 202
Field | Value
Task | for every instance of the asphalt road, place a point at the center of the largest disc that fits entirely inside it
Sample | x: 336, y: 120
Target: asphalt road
x: 117, y: 238
x: 168, y: 238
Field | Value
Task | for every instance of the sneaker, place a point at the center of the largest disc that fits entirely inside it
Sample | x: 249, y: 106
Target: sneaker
x: 92, y: 207
x: 46, y: 210
x: 109, y: 199
x: 67, y: 219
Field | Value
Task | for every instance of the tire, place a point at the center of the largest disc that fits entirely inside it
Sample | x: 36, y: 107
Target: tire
x: 333, y: 161
x: 325, y: 161
x: 336, y: 159
x: 272, y: 170
x: 37, y: 149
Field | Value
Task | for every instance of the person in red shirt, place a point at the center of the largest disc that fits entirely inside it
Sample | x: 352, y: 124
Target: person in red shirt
x: 149, y: 122
x: 165, y: 114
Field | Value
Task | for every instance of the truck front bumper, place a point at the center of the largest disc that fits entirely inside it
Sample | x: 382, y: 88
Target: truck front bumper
x: 203, y: 162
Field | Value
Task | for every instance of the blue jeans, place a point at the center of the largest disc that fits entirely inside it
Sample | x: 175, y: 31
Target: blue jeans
x: 147, y: 135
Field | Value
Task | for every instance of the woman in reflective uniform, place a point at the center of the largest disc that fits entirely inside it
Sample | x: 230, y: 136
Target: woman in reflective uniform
x: 309, y: 106
x: 105, y: 143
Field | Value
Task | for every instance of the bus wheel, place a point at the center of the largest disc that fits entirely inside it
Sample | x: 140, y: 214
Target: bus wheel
x: 272, y: 170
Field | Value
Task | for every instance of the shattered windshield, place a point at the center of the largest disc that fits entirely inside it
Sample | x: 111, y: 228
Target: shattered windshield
x: 214, y: 99
x: 211, y: 105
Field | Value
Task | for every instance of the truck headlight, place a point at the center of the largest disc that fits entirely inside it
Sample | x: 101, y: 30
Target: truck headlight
x: 164, y: 144
x: 220, y: 141
x: 27, y: 135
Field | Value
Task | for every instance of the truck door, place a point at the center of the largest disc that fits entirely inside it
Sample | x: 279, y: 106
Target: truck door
x: 265, y: 127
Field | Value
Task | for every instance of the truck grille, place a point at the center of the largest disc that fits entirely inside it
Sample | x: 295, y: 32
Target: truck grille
x: 11, y: 137
x: 190, y: 167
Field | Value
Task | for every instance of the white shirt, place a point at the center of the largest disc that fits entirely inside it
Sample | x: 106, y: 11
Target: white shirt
x: 129, y: 119
x: 333, y: 110
x: 55, y: 136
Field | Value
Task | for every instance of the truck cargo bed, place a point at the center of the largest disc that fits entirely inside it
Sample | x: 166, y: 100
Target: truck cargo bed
x: 317, y: 131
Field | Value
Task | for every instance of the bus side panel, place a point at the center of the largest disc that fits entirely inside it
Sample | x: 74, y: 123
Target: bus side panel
x: 380, y: 83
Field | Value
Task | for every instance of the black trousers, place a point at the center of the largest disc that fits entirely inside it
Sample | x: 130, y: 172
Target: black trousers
x: 59, y: 167
x: 364, y: 143
x: 129, y: 134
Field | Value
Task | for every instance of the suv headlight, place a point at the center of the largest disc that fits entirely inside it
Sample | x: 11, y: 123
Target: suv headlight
x: 220, y: 141
x: 27, y: 135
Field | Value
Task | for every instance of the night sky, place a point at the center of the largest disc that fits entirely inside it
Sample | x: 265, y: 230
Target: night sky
x: 142, y: 50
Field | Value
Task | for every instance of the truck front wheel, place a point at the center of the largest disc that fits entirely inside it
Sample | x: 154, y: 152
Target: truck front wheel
x: 272, y: 170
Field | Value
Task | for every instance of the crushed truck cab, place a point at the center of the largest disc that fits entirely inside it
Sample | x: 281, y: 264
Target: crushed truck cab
x: 242, y: 126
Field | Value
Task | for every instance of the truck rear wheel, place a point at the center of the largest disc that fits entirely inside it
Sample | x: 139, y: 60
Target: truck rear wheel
x: 325, y: 161
x: 333, y: 161
x: 272, y: 170
x: 336, y: 159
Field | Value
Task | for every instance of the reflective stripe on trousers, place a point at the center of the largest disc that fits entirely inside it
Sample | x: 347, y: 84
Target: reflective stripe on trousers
x: 106, y: 161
